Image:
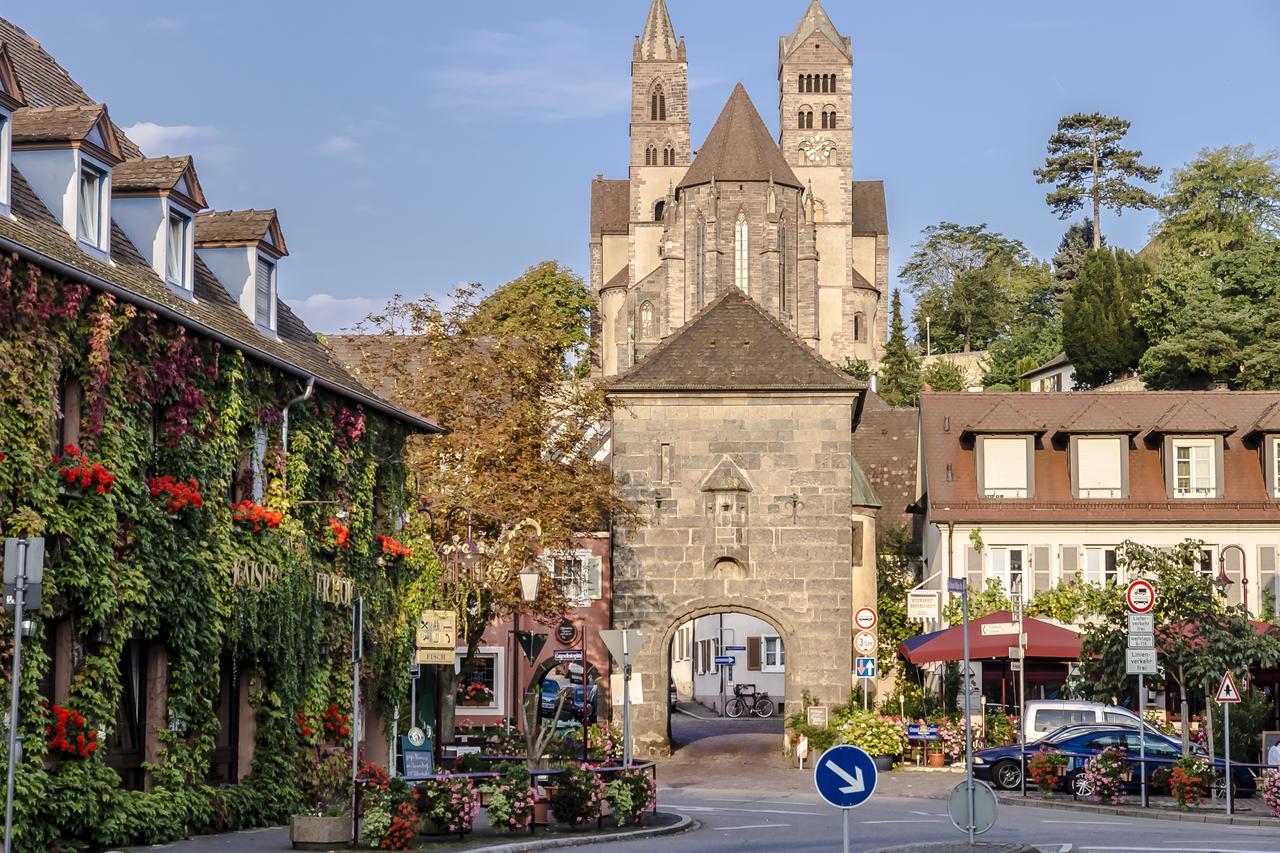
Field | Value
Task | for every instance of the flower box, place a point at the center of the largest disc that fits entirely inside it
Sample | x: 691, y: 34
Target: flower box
x: 937, y: 758
x: 312, y: 832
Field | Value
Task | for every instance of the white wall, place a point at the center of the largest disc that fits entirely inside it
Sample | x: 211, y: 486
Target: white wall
x: 51, y: 173
x: 735, y: 629
x: 235, y: 267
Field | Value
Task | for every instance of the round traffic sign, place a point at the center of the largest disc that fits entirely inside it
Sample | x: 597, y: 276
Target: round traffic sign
x: 984, y: 807
x: 865, y: 618
x: 845, y: 776
x: 865, y: 642
x: 1140, y: 596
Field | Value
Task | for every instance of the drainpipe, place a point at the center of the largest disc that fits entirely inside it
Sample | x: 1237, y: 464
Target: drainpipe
x: 284, y: 413
x: 951, y: 547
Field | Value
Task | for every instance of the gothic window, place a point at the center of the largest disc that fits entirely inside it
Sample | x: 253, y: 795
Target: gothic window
x: 824, y: 119
x: 859, y: 327
x: 833, y: 119
x: 782, y: 268
x: 659, y: 209
x: 700, y: 261
x: 658, y: 104
x: 800, y: 84
x: 668, y: 156
x: 650, y: 156
x: 646, y: 321
x: 741, y: 257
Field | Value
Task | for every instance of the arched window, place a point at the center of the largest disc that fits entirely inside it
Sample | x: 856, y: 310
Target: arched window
x: 650, y: 156
x: 741, y: 258
x: 782, y: 268
x: 800, y: 83
x: 824, y: 119
x: 833, y: 119
x: 824, y: 82
x: 668, y: 156
x: 700, y: 261
x: 808, y: 120
x: 659, y: 209
x: 657, y: 104
x: 859, y: 327
x: 646, y: 321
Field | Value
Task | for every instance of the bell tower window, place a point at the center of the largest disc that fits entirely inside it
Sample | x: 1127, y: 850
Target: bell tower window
x: 657, y: 104
x: 859, y: 327
x: 782, y: 269
x: 741, y: 275
x: 659, y: 209
x: 700, y: 262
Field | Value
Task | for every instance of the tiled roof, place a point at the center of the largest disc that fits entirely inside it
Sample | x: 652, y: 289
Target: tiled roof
x: 35, y: 233
x: 955, y: 497
x: 1269, y: 421
x: 619, y: 279
x: 869, y: 214
x: 610, y: 206
x: 815, y: 19
x: 36, y: 125
x: 1188, y: 416
x: 10, y: 87
x: 1004, y: 417
x: 1057, y: 361
x: 884, y: 444
x: 1099, y: 417
x: 46, y: 83
x: 157, y: 174
x: 739, y: 148
x: 733, y: 344
x: 240, y: 228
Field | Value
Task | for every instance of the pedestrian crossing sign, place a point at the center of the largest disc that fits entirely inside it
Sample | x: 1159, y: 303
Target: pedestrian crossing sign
x: 1227, y: 692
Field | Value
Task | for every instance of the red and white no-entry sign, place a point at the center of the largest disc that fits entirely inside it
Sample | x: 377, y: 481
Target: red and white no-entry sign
x: 1140, y: 596
x: 865, y: 618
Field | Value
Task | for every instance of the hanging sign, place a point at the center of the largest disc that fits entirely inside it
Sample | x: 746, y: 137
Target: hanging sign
x: 437, y: 637
x: 566, y: 632
x: 922, y: 604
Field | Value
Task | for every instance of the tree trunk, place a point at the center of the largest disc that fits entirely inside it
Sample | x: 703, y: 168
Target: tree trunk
x: 1184, y: 710
x: 1208, y: 723
x: 1097, y: 194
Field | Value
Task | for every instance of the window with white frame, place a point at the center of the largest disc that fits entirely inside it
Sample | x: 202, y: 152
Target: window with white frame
x: 1100, y: 467
x: 774, y: 657
x: 1004, y: 468
x: 1205, y: 565
x: 264, y: 293
x: 1194, y: 473
x: 90, y: 225
x: 178, y: 250
x: 1100, y: 566
x: 480, y: 690
x: 577, y: 575
x: 1008, y: 566
x: 741, y: 258
x: 1275, y: 467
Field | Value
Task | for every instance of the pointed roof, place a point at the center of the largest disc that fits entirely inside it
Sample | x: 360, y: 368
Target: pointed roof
x: 659, y: 39
x: 815, y: 20
x: 89, y: 125
x: 733, y: 344
x: 241, y: 228
x: 1098, y: 417
x: 1189, y: 417
x: 1268, y: 421
x: 726, y: 477
x: 739, y: 148
x: 1005, y: 417
x: 10, y: 89
x: 159, y: 175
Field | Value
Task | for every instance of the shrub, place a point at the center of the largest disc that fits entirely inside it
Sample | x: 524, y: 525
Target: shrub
x: 1043, y: 769
x: 451, y: 802
x: 873, y: 733
x: 603, y: 742
x: 820, y: 737
x: 1271, y: 791
x: 579, y: 795
x: 511, y: 800
x: 630, y: 793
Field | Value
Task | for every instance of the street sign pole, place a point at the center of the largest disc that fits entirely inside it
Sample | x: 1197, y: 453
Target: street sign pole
x: 845, y: 815
x: 357, y: 652
x: 20, y: 586
x: 1142, y: 735
x: 1226, y: 755
x: 1022, y: 689
x: 968, y: 716
x: 626, y: 700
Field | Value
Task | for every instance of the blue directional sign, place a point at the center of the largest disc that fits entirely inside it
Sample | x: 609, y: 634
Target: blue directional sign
x: 845, y: 776
x: 725, y: 660
x: 866, y: 667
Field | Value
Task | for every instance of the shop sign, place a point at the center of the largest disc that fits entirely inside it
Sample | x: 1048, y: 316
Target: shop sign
x: 335, y: 589
x: 252, y: 575
x: 567, y: 632
x: 438, y: 629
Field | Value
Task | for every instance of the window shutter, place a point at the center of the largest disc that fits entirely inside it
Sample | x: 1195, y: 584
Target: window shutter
x: 262, y: 292
x: 1235, y: 571
x: 1041, y: 565
x: 1266, y: 574
x: 1004, y: 463
x: 1070, y: 562
x: 753, y: 654
x: 1098, y: 462
x: 973, y: 567
x: 591, y: 566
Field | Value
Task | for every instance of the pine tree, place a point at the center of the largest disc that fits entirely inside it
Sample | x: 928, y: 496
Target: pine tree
x: 1075, y: 244
x: 899, y: 382
x: 1086, y: 162
x: 1099, y: 332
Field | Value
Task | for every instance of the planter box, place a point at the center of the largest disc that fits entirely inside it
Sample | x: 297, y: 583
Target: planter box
x: 540, y: 816
x: 308, y: 832
x: 937, y: 759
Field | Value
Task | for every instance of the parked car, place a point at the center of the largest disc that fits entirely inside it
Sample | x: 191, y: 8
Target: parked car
x: 1001, y: 765
x: 1046, y: 715
x: 572, y: 710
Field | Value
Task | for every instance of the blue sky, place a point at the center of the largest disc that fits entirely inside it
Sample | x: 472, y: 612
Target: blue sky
x: 413, y: 145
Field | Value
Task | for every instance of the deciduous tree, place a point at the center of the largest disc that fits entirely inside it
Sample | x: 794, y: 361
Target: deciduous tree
x: 1220, y: 201
x: 1086, y: 161
x: 944, y: 375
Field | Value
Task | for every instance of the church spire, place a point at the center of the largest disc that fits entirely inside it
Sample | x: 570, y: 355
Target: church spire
x: 815, y: 19
x: 659, y: 39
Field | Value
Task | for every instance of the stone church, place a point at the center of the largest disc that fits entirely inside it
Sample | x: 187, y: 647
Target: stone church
x: 730, y: 282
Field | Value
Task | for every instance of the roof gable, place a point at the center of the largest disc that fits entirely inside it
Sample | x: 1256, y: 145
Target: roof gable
x: 88, y: 125
x: 10, y: 89
x: 241, y: 228
x: 1005, y: 417
x: 734, y: 345
x: 151, y: 175
x: 1099, y: 418
x: 1189, y: 417
x: 739, y: 148
x: 815, y: 20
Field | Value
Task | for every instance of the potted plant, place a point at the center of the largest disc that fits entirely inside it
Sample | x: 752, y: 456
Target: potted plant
x: 578, y: 797
x: 80, y: 474
x: 254, y: 517
x: 1189, y: 780
x: 880, y: 737
x: 1271, y: 791
x: 630, y: 793
x: 321, y: 828
x: 1046, y: 770
x: 449, y: 804
x: 511, y: 800
x: 1105, y: 775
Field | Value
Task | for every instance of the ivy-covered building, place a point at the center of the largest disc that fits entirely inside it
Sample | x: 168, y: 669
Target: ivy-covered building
x: 213, y: 488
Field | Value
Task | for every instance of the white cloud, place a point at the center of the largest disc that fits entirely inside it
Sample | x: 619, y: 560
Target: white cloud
x: 323, y: 312
x: 157, y: 140
x: 551, y: 71
x: 338, y: 145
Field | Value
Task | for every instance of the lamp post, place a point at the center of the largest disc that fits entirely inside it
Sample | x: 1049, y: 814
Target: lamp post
x: 1224, y: 580
x: 530, y: 583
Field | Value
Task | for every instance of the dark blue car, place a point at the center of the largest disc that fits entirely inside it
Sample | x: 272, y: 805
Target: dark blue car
x: 1001, y: 765
x: 572, y: 709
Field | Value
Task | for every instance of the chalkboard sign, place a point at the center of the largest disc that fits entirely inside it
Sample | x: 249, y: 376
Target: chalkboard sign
x: 817, y: 715
x: 419, y: 762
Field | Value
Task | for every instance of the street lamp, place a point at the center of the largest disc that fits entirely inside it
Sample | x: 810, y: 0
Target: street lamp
x: 530, y: 581
x: 1224, y: 580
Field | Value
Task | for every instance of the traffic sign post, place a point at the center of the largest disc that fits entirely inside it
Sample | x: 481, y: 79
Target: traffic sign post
x: 865, y: 643
x: 959, y: 585
x: 1140, y: 660
x: 866, y: 670
x: 865, y: 618
x: 1227, y: 696
x: 621, y: 645
x: 1140, y: 596
x: 846, y: 778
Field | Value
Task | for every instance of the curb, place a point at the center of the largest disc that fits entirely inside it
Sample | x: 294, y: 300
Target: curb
x: 1149, y: 814
x: 681, y: 825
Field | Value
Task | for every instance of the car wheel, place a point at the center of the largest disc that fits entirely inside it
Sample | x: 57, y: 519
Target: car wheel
x: 1006, y: 775
x: 1080, y: 785
x: 1220, y: 789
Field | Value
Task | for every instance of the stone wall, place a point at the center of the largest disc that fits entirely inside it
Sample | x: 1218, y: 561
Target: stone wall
x: 750, y: 513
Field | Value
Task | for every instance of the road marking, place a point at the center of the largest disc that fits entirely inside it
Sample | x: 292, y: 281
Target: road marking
x: 930, y: 814
x: 679, y: 808
x: 899, y: 821
x: 761, y: 802
x: 1097, y: 822
x: 752, y: 826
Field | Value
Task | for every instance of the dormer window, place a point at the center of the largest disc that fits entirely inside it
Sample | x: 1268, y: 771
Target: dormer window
x: 178, y: 250
x: 1099, y: 467
x: 264, y: 300
x: 90, y: 226
x: 1273, y: 478
x: 11, y: 98
x: 1194, y: 468
x: 1004, y: 464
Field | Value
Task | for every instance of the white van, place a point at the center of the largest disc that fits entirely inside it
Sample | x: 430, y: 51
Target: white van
x: 1045, y: 715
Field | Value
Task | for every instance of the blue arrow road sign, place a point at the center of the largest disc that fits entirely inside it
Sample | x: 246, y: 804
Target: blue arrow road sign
x: 845, y: 776
x: 724, y: 660
x: 866, y: 667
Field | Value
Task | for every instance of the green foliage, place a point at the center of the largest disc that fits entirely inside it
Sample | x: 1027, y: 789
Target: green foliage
x: 1220, y: 201
x: 630, y: 793
x: 156, y: 401
x: 821, y: 738
x: 894, y: 577
x: 579, y: 795
x: 871, y: 732
x: 959, y: 277
x: 1249, y: 717
x: 1033, y: 334
x: 548, y: 301
x: 1076, y: 242
x: 857, y: 368
x: 899, y: 382
x: 1099, y: 332
x: 1086, y: 162
x: 944, y: 375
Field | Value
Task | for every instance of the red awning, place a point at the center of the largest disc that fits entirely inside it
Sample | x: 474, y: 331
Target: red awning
x: 1044, y: 640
